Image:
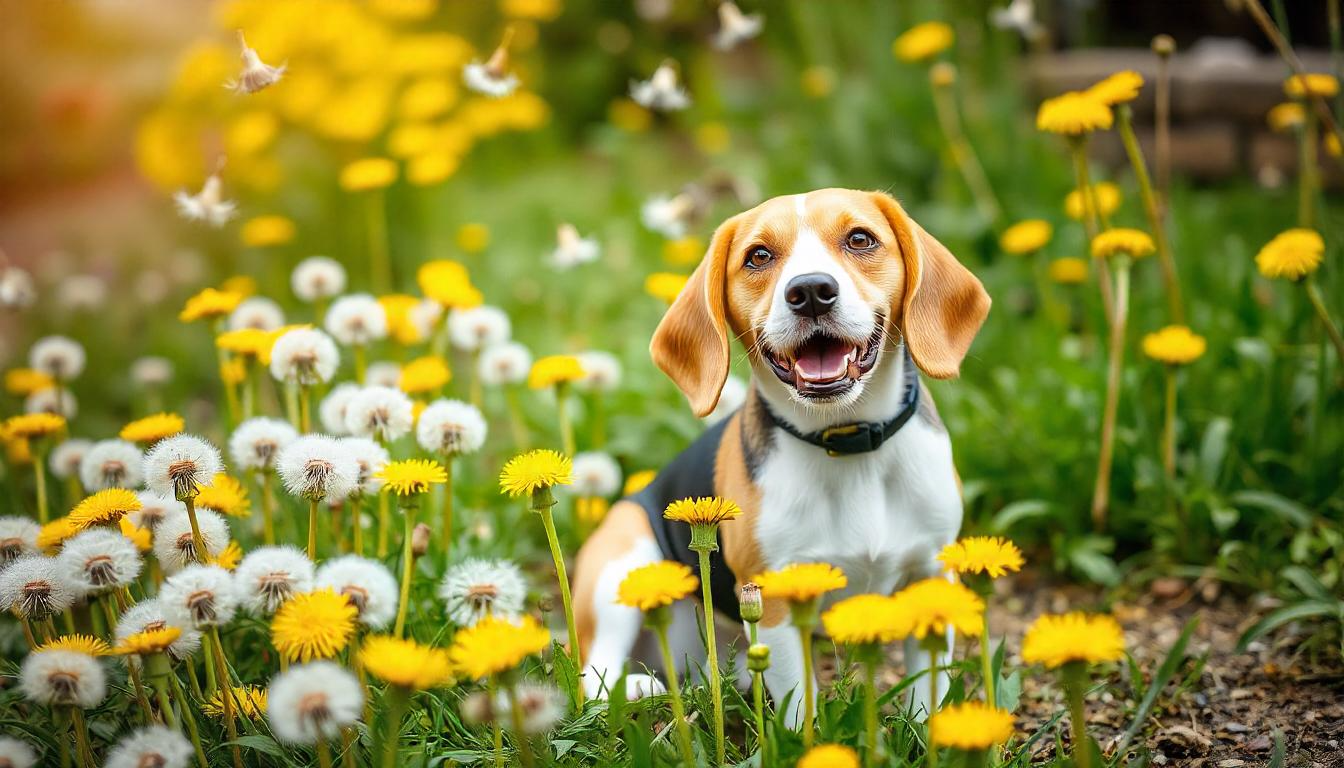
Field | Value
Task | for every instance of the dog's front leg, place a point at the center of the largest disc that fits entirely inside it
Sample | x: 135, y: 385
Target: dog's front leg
x: 785, y: 676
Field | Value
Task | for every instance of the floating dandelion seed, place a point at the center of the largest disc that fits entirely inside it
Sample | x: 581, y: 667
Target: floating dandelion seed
x: 572, y: 249
x: 735, y: 26
x: 492, y: 78
x: 256, y: 74
x: 661, y: 92
x: 209, y: 204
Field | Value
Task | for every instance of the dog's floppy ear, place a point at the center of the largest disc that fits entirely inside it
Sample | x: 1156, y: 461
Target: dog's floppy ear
x: 691, y: 343
x: 944, y: 304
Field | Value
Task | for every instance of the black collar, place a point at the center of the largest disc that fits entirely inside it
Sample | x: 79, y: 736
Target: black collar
x: 860, y: 436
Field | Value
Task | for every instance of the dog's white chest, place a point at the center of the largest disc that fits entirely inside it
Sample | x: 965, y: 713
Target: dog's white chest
x: 881, y: 517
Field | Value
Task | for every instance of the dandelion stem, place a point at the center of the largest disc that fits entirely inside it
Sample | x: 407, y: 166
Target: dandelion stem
x: 1101, y: 492
x: 384, y: 524
x: 522, y: 441
x: 198, y: 551
x: 28, y: 633
x: 712, y: 647
x: 1162, y: 128
x: 1093, y: 218
x: 225, y: 694
x: 987, y: 660
x: 548, y: 522
x: 380, y: 261
x: 475, y: 392
x: 1307, y: 180
x: 447, y: 511
x: 40, y: 479
x: 1152, y: 208
x: 305, y: 410
x: 356, y: 503
x: 805, y: 634
x: 674, y: 691
x: 1331, y: 330
x: 931, y: 756
x: 872, y: 756
x: 562, y: 412
x: 963, y: 154
x: 758, y: 703
x: 267, y: 508
x: 407, y: 561
x: 496, y: 728
x: 312, y: 529
x: 519, y: 735
x: 187, y: 718
x: 361, y: 363
x: 397, y: 700
x: 1074, y: 683
x: 81, y: 730
x: 1169, y: 426
x: 1294, y: 63
x: 323, y: 754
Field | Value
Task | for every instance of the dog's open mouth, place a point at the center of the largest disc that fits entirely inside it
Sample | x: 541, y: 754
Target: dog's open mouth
x: 825, y: 365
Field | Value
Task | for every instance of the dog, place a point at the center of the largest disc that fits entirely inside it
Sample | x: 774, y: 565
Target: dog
x: 837, y: 455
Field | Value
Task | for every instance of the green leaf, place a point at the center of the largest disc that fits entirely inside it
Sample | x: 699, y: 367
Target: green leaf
x: 260, y: 743
x: 1283, y: 508
x: 1164, y: 673
x: 1018, y: 511
x: 1306, y: 582
x: 1288, y: 613
x: 1213, y: 450
x: 566, y: 674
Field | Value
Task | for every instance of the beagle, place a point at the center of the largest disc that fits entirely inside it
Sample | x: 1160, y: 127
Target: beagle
x: 837, y: 455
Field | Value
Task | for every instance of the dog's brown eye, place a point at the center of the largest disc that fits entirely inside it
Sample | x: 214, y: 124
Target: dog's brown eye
x: 759, y: 257
x: 858, y: 240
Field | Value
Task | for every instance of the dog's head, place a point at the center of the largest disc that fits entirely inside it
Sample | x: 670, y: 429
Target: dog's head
x: 812, y: 285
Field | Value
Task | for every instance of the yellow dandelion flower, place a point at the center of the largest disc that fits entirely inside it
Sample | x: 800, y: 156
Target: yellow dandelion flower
x: 32, y: 426
x: 149, y: 641
x: 535, y: 10
x: 864, y: 620
x: 18, y: 451
x: 683, y: 250
x: 152, y: 429
x: 55, y: 533
x: 1293, y: 254
x: 426, y: 169
x: 246, y: 285
x: 400, y: 326
x: 424, y: 375
x: 590, y: 511
x: 233, y: 372
x: 494, y: 645
x: 800, y: 582
x: 427, y: 98
x: 229, y: 557
x: 367, y: 174
x: 1026, y: 237
x: 1286, y: 116
x: 209, y: 304
x: 1134, y: 243
x: 829, y: 756
x: 406, y: 663
x: 656, y: 585
x: 706, y: 510
x: 1069, y: 270
x: 554, y: 369
x: 923, y: 41
x: 971, y: 726
x: 1055, y: 640
x: 473, y: 237
x: 932, y: 605
x: 1073, y: 114
x: 448, y: 283
x: 629, y: 116
x: 249, y: 702
x: 817, y: 82
x: 411, y: 476
x: 1311, y: 84
x: 990, y: 555
x: 942, y: 75
x: 1119, y: 88
x: 638, y: 481
x: 266, y: 231
x: 26, y: 381
x: 665, y: 285
x: 248, y: 342
x: 313, y: 625
x: 106, y: 506
x: 1105, y: 195
x: 535, y: 470
x: 713, y: 138
x: 1174, y: 345
x: 142, y: 538
x: 85, y: 644
x: 1333, y: 147
x: 225, y: 495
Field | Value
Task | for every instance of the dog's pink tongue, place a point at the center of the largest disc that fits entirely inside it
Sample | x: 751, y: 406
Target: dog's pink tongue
x: 821, y: 360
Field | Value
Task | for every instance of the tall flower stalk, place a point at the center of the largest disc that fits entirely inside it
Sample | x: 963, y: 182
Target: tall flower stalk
x: 1069, y: 643
x: 983, y: 558
x: 866, y: 623
x: 1174, y: 346
x: 943, y: 78
x: 1152, y: 208
x: 411, y: 481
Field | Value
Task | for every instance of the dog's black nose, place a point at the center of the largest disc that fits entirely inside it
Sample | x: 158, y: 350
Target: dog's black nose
x: 812, y: 295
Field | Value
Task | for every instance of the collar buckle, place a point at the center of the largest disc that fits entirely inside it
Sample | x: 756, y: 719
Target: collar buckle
x: 859, y: 437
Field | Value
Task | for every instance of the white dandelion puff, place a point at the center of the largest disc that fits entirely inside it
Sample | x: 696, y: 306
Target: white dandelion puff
x: 152, y: 371
x: 1020, y: 16
x: 383, y: 374
x: 268, y: 576
x: 199, y: 596
x: 476, y: 588
x: 180, y: 465
x: 331, y: 411
x: 58, y: 400
x: 63, y: 679
x: 450, y: 427
x: 572, y: 249
x: 506, y: 363
x: 34, y: 586
x: 99, y: 559
x: 473, y: 329
x: 59, y: 357
x: 153, y: 746
x: 316, y: 278
x: 112, y: 464
x: 256, y: 74
x: 425, y: 316
x: 601, y: 371
x: 16, y: 754
x: 66, y: 457
x: 369, y: 457
x: 383, y: 413
x: 669, y: 216
x: 154, y: 507
x: 662, y: 92
x: 174, y: 545
x: 208, y: 205
x: 18, y: 537
x: 257, y: 312
x: 492, y: 78
x: 368, y: 584
x: 356, y: 320
x: 596, y: 475
x: 148, y: 615
x: 305, y: 356
x: 317, y: 467
x: 735, y: 26
x: 313, y: 702
x: 257, y: 441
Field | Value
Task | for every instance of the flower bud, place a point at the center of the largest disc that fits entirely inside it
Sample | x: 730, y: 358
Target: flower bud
x: 749, y: 602
x: 420, y: 540
x: 942, y: 74
x: 1164, y: 45
x: 758, y: 657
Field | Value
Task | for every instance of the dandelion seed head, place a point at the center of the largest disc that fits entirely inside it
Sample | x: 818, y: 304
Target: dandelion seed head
x: 316, y: 278
x: 506, y: 363
x: 313, y: 702
x: 451, y: 427
x: 367, y: 584
x: 99, y: 559
x: 18, y: 537
x: 356, y: 319
x: 15, y: 753
x: 477, y: 587
x: 331, y: 411
x: 200, y: 597
x: 257, y: 312
x: 59, y: 357
x: 256, y: 442
x: 153, y: 746
x: 174, y: 546
x: 35, y: 586
x: 475, y: 328
x: 317, y: 467
x: 66, y: 457
x: 152, y: 371
x: 268, y: 576
x: 601, y: 371
x: 379, y: 412
x: 304, y: 355
x: 596, y: 474
x: 180, y: 465
x: 153, y: 508
x: 57, y: 400
x: 150, y: 615
x: 63, y: 678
